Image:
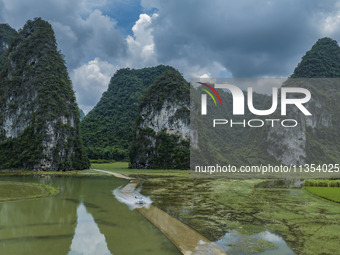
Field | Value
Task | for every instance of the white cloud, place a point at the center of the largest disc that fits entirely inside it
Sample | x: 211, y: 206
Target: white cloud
x: 205, y: 76
x: 104, y: 39
x: 90, y: 81
x: 330, y: 22
x: 141, y: 47
x: 87, y: 38
x: 193, y: 69
x: 86, y: 6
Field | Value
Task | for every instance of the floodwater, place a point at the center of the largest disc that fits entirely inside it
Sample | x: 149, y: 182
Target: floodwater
x: 184, y: 237
x: 129, y: 195
x: 84, y: 218
x: 234, y: 243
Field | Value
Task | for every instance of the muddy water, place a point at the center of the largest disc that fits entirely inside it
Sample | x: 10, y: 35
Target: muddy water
x: 85, y: 218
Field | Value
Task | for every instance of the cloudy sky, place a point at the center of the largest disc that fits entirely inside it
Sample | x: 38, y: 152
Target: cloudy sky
x: 215, y: 38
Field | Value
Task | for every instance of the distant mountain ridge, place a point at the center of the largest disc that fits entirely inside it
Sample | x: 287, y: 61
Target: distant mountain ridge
x: 144, y: 115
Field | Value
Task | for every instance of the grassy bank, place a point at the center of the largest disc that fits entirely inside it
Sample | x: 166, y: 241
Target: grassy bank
x: 329, y: 193
x: 117, y: 167
x: 20, y: 190
x: 122, y: 168
x: 23, y: 172
x: 322, y: 183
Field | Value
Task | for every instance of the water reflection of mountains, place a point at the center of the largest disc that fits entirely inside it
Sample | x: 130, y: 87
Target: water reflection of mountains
x: 84, y: 215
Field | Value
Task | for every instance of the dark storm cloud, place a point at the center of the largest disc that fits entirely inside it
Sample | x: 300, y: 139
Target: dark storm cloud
x: 2, y: 19
x: 249, y: 38
x: 86, y: 39
x: 83, y: 32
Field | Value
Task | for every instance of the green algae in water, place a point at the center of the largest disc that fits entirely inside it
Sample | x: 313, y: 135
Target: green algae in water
x: 22, y: 190
x: 308, y: 224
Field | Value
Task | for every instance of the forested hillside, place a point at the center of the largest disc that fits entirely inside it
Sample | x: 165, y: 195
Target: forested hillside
x: 107, y: 129
x: 7, y: 35
x: 162, y: 130
x: 317, y: 139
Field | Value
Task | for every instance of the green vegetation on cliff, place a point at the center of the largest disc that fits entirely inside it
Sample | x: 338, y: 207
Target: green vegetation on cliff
x: 237, y: 145
x: 322, y: 61
x: 322, y: 139
x: 7, y: 35
x: 107, y: 129
x: 39, y: 117
x: 21, y: 190
x: 163, y: 117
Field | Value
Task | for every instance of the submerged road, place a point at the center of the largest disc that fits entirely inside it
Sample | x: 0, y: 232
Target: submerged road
x: 186, y: 239
x: 114, y: 174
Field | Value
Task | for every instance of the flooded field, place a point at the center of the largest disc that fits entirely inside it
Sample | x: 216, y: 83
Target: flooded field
x: 251, y: 216
x: 239, y: 216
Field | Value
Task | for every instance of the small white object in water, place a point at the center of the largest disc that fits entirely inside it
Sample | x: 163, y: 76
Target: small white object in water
x: 139, y: 200
x: 132, y: 199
